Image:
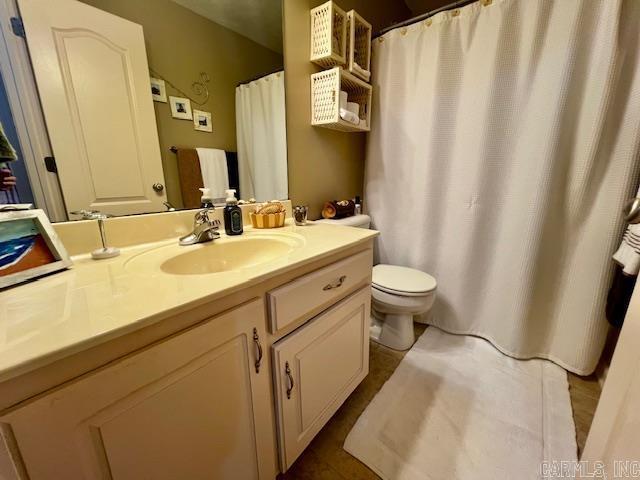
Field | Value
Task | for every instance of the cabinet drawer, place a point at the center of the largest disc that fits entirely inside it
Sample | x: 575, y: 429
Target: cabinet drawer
x: 305, y: 297
x: 316, y: 368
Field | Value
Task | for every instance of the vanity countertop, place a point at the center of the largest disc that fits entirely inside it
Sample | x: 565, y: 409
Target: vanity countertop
x: 97, y: 300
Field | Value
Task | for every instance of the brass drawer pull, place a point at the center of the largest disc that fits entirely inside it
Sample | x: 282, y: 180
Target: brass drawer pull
x: 256, y: 340
x: 337, y: 284
x: 287, y: 372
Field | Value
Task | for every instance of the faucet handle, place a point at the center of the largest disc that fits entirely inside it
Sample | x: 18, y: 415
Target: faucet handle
x: 203, y: 217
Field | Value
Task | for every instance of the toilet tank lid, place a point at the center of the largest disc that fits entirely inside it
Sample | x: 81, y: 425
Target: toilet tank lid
x: 362, y: 221
x: 402, y: 279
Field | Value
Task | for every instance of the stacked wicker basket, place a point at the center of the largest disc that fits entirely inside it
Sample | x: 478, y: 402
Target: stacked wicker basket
x: 340, y: 43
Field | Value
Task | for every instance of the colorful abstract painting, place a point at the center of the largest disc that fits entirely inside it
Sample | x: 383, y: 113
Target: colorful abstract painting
x: 22, y: 247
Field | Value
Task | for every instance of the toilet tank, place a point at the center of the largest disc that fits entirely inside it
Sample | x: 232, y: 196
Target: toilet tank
x: 359, y: 221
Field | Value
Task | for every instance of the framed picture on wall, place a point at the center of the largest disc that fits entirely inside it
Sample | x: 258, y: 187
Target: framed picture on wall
x: 29, y: 247
x: 158, y: 90
x: 202, y: 121
x: 180, y: 108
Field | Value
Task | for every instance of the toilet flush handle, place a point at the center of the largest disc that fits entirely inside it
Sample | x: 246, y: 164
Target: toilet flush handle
x: 335, y: 284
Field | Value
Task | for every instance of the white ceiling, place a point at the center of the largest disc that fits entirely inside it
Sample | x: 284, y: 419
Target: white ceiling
x: 259, y: 20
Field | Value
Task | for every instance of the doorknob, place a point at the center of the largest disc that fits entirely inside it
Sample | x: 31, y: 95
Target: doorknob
x: 158, y: 187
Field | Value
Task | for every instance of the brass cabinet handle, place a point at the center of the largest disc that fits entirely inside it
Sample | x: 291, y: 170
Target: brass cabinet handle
x: 337, y: 284
x: 256, y: 340
x: 287, y: 372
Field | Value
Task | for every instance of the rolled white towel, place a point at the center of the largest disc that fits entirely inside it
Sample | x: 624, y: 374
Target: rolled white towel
x: 349, y: 116
x: 343, y: 99
x: 361, y: 71
x: 353, y: 107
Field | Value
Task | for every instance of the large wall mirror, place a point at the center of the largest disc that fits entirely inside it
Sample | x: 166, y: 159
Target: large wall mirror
x: 144, y: 103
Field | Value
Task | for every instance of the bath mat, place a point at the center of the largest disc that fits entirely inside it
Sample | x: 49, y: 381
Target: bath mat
x: 458, y: 409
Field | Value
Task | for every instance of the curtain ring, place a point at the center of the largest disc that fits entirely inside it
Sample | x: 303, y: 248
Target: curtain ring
x: 403, y: 31
x: 428, y: 22
x: 455, y: 13
x: 486, y: 3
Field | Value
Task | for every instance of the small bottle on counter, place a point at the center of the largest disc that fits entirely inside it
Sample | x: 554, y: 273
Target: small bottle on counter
x: 205, y: 199
x: 232, y: 214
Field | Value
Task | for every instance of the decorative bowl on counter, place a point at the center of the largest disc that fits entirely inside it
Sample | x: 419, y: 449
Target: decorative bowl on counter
x: 267, y: 220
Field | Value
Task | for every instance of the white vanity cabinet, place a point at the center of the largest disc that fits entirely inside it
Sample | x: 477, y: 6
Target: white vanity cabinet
x: 195, y: 406
x: 220, y: 398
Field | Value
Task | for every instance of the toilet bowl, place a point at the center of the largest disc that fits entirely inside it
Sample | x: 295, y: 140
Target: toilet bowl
x: 398, y: 294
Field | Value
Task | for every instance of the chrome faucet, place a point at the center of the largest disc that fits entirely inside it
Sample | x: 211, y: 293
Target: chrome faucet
x: 204, y: 229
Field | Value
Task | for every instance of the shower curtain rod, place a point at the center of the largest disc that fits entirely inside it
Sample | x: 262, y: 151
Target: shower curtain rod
x: 424, y: 16
x: 258, y: 77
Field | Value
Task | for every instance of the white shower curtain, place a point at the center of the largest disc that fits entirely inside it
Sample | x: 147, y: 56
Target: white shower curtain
x: 262, y: 138
x: 505, y: 140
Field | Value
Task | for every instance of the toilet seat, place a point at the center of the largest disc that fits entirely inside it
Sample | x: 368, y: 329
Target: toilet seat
x: 402, y: 281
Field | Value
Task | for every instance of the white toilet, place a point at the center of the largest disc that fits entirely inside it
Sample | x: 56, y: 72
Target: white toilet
x: 398, y: 294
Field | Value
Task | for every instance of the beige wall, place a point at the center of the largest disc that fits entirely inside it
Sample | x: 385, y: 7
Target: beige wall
x: 180, y: 45
x: 323, y: 164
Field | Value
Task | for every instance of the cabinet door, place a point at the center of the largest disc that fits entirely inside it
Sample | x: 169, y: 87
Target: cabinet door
x: 194, y: 406
x: 318, y: 366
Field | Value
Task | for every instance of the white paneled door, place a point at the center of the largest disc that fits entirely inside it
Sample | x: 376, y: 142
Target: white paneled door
x: 92, y: 75
x: 613, y: 444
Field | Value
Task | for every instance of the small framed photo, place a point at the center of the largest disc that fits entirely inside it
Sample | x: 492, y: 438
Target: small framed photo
x: 202, y: 121
x: 29, y: 247
x: 180, y: 108
x: 158, y: 90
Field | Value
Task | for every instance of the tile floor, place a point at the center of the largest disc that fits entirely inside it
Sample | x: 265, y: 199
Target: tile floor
x: 584, y: 392
x: 325, y: 459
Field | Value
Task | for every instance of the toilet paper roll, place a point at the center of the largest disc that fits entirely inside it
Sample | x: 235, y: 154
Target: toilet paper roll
x: 343, y: 99
x: 353, y: 107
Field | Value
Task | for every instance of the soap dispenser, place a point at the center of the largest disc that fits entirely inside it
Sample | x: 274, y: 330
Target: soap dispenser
x: 205, y: 199
x: 232, y: 215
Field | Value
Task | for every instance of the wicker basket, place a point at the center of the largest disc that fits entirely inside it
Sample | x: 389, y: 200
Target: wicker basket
x: 267, y: 220
x: 325, y: 99
x: 328, y: 35
x: 358, y: 45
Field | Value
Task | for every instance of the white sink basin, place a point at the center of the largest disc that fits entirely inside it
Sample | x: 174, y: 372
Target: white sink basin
x: 222, y: 255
